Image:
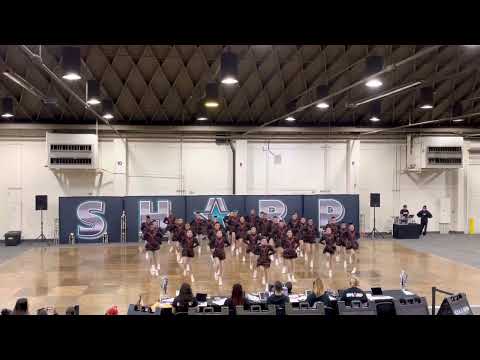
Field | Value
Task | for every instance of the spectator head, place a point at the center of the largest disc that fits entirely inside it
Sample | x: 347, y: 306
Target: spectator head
x: 278, y: 288
x: 42, y: 311
x: 333, y: 220
x: 147, y: 218
x: 112, y: 311
x: 70, y: 311
x: 289, y: 286
x: 237, y: 295
x: 264, y: 241
x: 318, y: 287
x: 424, y: 207
x: 253, y: 230
x: 6, y: 312
x: 405, y: 206
x: 21, y: 307
x: 354, y: 282
x: 185, y: 290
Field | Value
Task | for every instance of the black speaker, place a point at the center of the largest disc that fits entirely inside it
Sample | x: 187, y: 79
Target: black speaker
x: 374, y: 200
x: 455, y: 305
x: 41, y: 202
x: 13, y: 238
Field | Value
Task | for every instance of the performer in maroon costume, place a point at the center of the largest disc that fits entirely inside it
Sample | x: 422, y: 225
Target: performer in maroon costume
x: 241, y: 234
x: 231, y: 222
x: 290, y: 245
x: 351, y: 244
x: 309, y: 234
x: 151, y: 246
x: 200, y: 230
x: 252, y: 240
x: 219, y: 244
x: 264, y: 252
x: 189, y: 243
x: 332, y: 224
x: 279, y: 233
x: 264, y: 226
x: 329, y: 249
x: 253, y: 219
x: 294, y: 223
x: 341, y: 243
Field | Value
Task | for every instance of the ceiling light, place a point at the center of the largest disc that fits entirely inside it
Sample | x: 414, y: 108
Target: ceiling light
x: 229, y: 68
x: 375, y: 111
x: 107, y: 105
x: 202, y: 114
x: 202, y: 118
x: 71, y: 63
x: 290, y: 107
x: 374, y: 64
x: 457, y: 112
x: 93, y: 92
x: 388, y: 93
x: 426, y: 98
x: 322, y: 92
x: 211, y: 95
x: 7, y: 107
x: 290, y: 118
x: 374, y: 83
x: 457, y: 120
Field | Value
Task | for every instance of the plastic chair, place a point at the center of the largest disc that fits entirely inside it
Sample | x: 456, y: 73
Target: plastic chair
x: 256, y: 310
x: 357, y: 308
x: 305, y: 309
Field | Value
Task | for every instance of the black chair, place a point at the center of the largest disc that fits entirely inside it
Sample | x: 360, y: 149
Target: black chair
x: 357, y: 308
x: 305, y: 309
x: 330, y: 311
x: 411, y: 306
x: 256, y: 310
x: 139, y: 310
x: 385, y: 308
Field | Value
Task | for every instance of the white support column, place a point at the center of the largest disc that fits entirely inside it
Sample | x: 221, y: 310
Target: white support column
x: 353, y: 166
x: 120, y: 167
x: 241, y: 166
x: 463, y: 191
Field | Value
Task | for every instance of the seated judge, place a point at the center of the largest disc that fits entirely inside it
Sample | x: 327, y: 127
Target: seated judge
x: 353, y: 292
x: 404, y: 214
x: 237, y: 299
x: 318, y: 294
x: 278, y: 298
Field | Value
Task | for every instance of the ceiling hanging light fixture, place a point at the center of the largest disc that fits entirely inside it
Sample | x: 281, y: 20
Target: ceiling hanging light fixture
x: 457, y: 112
x: 92, y: 92
x: 291, y: 106
x: 426, y: 98
x: 322, y: 91
x: 229, y: 68
x: 211, y: 95
x: 7, y: 107
x: 107, y: 105
x: 202, y: 114
x: 71, y: 63
x: 375, y: 110
x: 374, y: 64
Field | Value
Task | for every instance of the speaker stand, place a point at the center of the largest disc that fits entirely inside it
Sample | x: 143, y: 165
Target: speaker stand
x: 375, y: 233
x: 42, y: 236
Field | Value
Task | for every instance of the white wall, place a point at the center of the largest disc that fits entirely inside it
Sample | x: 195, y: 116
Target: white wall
x: 157, y: 167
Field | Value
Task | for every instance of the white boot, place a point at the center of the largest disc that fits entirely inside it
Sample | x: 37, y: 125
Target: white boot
x: 156, y: 273
x: 263, y: 280
x: 152, y: 270
x: 220, y: 282
x: 171, y: 249
x: 192, y: 279
x: 215, y: 275
x: 354, y: 271
x: 276, y: 261
x: 284, y: 269
x: 350, y: 259
x: 328, y: 264
x: 199, y: 250
x: 306, y: 258
x: 266, y: 288
x: 330, y: 274
x: 239, y: 250
x: 184, y: 272
x: 345, y: 264
x: 158, y: 266
x: 146, y: 255
x: 251, y: 266
x: 337, y: 258
x: 311, y: 264
x: 243, y: 258
x: 255, y: 273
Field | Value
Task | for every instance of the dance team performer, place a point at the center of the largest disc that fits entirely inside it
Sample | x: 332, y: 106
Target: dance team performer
x: 265, y: 250
x: 152, y: 245
x: 252, y: 241
x: 241, y: 234
x: 351, y: 244
x: 309, y: 234
x: 199, y: 228
x: 332, y: 224
x: 290, y: 245
x: 218, y: 244
x: 279, y: 233
x: 231, y: 222
x: 169, y: 221
x: 301, y: 248
x: 189, y: 243
x: 341, y: 243
x: 212, y: 233
x: 253, y: 219
x: 330, y: 248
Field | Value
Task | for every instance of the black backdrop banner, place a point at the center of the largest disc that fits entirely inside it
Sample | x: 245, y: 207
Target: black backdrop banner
x: 90, y: 217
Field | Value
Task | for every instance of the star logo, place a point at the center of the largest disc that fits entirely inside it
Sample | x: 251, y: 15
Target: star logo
x: 216, y: 208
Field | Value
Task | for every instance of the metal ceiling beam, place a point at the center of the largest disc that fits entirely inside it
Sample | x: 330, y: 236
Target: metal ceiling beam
x: 38, y: 60
x: 347, y: 88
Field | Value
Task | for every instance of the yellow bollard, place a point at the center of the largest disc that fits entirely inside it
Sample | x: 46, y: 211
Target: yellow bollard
x: 471, y: 226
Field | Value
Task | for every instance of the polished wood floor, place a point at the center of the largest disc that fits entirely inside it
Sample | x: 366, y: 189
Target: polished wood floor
x: 98, y: 276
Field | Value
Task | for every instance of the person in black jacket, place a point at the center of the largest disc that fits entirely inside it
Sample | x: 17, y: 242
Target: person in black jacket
x: 318, y: 294
x: 353, y: 292
x: 278, y: 298
x: 424, y: 215
x: 237, y: 299
x: 184, y: 300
